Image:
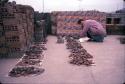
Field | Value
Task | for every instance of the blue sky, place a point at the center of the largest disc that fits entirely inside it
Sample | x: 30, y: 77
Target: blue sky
x: 73, y: 5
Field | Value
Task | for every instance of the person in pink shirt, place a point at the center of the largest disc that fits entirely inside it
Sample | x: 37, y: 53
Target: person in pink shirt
x: 93, y: 30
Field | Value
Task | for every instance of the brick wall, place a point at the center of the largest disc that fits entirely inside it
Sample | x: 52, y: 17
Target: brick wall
x: 16, y: 28
x: 66, y: 22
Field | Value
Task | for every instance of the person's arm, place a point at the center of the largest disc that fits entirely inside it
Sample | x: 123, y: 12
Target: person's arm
x: 85, y: 29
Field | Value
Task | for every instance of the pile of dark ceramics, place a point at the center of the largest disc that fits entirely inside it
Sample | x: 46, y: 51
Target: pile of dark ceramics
x: 122, y: 40
x: 30, y: 63
x: 60, y: 39
x: 78, y: 56
x: 24, y: 71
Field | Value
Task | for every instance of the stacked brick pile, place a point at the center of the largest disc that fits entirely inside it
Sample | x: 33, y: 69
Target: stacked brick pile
x: 16, y: 28
x: 66, y: 22
x: 30, y: 63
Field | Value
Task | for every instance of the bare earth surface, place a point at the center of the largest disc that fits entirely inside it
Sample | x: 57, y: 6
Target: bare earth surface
x: 109, y: 67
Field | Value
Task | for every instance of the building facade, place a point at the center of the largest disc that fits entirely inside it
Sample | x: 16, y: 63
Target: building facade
x: 115, y: 22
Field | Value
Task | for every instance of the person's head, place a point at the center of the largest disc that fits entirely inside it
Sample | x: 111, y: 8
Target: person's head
x: 80, y: 21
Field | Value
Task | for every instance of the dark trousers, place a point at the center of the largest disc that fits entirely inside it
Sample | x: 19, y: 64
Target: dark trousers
x: 96, y: 38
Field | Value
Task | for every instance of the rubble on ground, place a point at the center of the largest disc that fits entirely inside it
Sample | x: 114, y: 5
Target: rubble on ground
x: 30, y: 63
x: 24, y: 71
x: 26, y: 62
x: 78, y: 56
x: 122, y: 40
x: 60, y: 39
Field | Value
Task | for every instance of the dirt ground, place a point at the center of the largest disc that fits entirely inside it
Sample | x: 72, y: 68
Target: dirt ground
x: 109, y: 67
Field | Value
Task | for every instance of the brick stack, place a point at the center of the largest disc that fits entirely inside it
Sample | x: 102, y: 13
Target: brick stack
x: 16, y: 28
x: 66, y: 22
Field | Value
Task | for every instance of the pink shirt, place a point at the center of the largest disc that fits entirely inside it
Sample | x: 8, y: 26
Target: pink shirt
x: 94, y: 27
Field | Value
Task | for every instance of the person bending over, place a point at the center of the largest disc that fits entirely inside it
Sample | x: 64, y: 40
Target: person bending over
x: 93, y: 30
